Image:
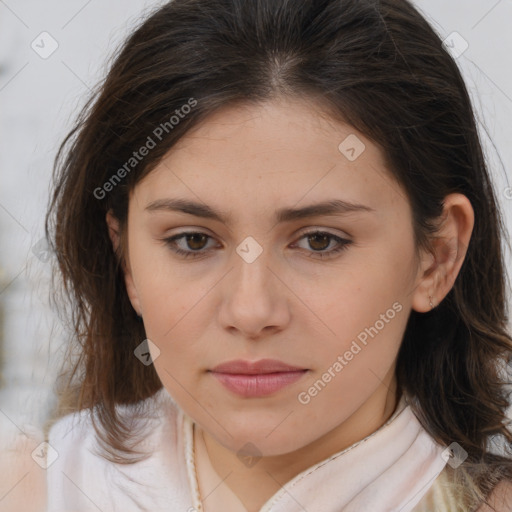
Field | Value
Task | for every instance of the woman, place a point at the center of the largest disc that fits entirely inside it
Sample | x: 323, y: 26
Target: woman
x: 282, y: 249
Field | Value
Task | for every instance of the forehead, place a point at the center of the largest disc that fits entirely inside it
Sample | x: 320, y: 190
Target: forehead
x: 250, y: 158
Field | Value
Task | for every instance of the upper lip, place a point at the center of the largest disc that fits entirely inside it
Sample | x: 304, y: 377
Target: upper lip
x: 240, y: 366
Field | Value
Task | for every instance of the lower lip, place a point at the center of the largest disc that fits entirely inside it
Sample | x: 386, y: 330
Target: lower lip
x: 258, y: 385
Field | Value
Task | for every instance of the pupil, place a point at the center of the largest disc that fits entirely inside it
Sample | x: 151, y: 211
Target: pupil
x: 325, y: 239
x: 194, y: 239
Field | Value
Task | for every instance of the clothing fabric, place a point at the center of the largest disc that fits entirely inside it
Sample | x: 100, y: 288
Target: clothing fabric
x: 391, y: 470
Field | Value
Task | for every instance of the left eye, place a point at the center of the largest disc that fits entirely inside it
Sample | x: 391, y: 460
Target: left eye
x: 196, y: 241
x: 320, y: 240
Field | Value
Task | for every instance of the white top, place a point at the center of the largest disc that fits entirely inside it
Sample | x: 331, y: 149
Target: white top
x: 390, y: 470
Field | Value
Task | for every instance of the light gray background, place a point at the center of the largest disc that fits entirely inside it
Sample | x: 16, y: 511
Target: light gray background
x: 39, y: 99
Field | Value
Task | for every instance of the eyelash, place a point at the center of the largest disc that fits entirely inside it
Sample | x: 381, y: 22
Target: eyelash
x: 343, y: 244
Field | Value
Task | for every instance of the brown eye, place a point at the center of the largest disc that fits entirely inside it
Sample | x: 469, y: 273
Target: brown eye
x: 196, y: 241
x: 192, y: 244
x: 319, y: 241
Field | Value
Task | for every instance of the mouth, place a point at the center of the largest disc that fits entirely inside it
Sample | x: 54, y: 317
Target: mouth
x: 257, y: 379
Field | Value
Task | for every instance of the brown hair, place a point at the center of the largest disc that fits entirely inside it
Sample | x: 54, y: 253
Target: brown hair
x: 375, y: 64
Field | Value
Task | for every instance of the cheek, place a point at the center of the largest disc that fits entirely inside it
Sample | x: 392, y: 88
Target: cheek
x: 355, y: 299
x: 162, y: 288
x: 174, y: 319
x: 352, y: 365
x: 365, y: 337
x: 364, y: 315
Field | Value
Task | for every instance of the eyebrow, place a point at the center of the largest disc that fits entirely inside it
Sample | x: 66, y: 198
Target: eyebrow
x: 331, y: 207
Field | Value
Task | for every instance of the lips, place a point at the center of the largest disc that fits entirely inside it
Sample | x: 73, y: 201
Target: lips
x: 242, y: 367
x: 256, y: 379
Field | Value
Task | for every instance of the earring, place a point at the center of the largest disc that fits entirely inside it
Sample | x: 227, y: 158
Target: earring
x: 431, y: 304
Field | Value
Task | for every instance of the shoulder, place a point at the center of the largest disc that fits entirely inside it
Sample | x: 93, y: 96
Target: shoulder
x: 78, y: 472
x: 500, y: 499
x: 70, y: 440
x: 71, y: 448
x: 70, y: 427
x: 76, y: 431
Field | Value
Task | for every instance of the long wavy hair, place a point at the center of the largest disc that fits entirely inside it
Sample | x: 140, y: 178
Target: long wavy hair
x: 377, y: 65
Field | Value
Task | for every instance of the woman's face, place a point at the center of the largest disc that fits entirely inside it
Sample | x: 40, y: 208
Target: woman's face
x: 258, y: 283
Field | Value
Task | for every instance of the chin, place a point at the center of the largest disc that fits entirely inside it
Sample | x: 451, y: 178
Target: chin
x: 255, y: 441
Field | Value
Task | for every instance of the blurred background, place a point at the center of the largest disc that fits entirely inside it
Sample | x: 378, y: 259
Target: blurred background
x: 51, y: 54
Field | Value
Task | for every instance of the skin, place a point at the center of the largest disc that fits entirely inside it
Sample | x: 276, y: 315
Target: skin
x: 500, y: 499
x: 288, y: 304
x: 23, y: 482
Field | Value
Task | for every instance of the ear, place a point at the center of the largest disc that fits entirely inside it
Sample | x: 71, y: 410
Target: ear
x: 121, y: 253
x: 438, y: 270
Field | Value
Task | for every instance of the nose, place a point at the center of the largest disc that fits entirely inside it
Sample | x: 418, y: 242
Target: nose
x: 255, y: 302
